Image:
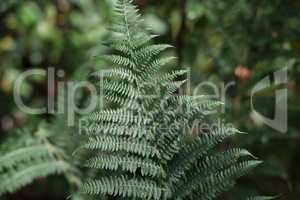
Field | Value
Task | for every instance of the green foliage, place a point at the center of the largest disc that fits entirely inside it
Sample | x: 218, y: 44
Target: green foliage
x: 41, y: 34
x: 141, y: 150
x: 34, y: 156
x: 37, y: 152
x: 221, y: 41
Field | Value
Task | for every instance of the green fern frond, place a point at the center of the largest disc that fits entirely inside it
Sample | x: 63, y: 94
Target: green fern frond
x: 152, y: 50
x: 33, y: 156
x: 120, y: 89
x: 190, y: 153
x: 117, y: 116
x: 126, y: 163
x: 139, y: 146
x: 14, y: 158
x: 168, y: 77
x: 120, y: 61
x: 112, y: 129
x: 116, y: 144
x: 126, y: 187
x: 155, y: 66
x: 25, y: 175
x: 204, y: 183
x: 120, y: 73
x: 213, y: 192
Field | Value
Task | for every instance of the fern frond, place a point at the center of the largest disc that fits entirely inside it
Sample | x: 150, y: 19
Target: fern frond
x: 120, y: 61
x: 168, y: 77
x: 213, y: 192
x: 190, y: 153
x: 14, y: 158
x: 121, y: 73
x: 112, y: 129
x: 204, y: 183
x: 148, y: 52
x: 155, y: 66
x: 117, y: 116
x: 24, y: 176
x: 115, y: 144
x: 139, y: 144
x: 127, y: 163
x: 169, y: 144
x: 120, y: 89
x: 126, y: 187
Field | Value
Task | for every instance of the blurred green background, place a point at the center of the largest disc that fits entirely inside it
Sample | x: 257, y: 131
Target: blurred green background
x: 220, y: 41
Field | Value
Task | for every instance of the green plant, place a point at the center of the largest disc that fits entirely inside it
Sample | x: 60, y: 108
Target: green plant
x: 139, y: 144
x: 39, y: 151
x: 30, y: 155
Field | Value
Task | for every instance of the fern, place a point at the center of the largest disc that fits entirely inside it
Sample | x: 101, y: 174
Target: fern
x: 38, y: 151
x: 22, y: 165
x: 138, y: 149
